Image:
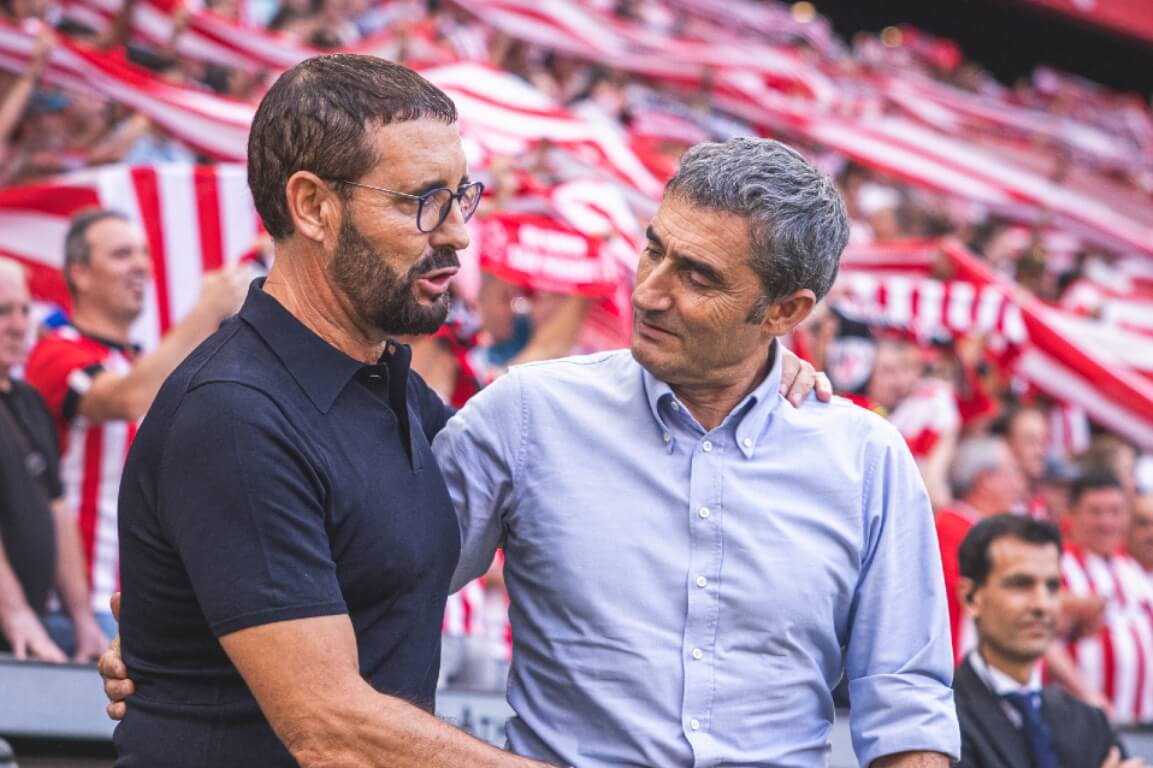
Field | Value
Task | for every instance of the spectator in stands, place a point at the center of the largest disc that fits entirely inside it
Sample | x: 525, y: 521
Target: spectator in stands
x: 986, y: 480
x: 1026, y: 430
x: 1139, y: 542
x: 1010, y: 585
x: 39, y: 544
x: 18, y: 93
x: 1110, y: 603
x: 896, y: 369
x: 1111, y: 454
x: 97, y: 385
x: 1053, y: 490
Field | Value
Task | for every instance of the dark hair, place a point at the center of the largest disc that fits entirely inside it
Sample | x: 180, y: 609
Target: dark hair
x: 1092, y: 480
x: 315, y: 118
x: 973, y: 553
x: 77, y: 249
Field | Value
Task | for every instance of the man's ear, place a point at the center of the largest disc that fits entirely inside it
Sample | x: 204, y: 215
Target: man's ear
x: 785, y: 314
x: 313, y: 205
x: 969, y: 596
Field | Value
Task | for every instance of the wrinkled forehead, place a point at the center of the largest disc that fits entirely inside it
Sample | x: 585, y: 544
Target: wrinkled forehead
x: 420, y: 151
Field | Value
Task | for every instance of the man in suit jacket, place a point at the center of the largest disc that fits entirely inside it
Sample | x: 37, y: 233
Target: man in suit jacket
x: 1010, y: 584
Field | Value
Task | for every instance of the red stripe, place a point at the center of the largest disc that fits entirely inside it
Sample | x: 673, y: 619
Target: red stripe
x: 90, y: 495
x: 44, y: 282
x: 466, y: 610
x: 208, y: 215
x: 59, y: 199
x: 148, y: 198
x: 1108, y: 657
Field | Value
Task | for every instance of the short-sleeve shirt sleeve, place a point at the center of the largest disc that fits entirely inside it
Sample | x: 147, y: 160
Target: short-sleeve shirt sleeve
x: 244, y: 506
x: 62, y: 370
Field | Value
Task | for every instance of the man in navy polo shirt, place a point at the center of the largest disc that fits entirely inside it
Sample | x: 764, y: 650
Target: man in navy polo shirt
x: 287, y: 539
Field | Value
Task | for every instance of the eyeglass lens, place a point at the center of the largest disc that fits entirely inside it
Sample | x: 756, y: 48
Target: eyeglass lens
x: 435, y: 208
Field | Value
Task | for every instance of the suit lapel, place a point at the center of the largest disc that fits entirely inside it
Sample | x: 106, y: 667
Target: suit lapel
x: 1068, y: 735
x: 985, y: 709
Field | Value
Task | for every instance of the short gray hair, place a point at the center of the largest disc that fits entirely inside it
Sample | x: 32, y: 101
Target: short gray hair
x: 975, y: 456
x: 77, y: 249
x: 797, y: 220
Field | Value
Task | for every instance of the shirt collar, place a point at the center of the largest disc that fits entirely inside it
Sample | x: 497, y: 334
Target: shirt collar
x: 753, y: 411
x: 1001, y: 683
x: 127, y: 349
x: 320, y: 369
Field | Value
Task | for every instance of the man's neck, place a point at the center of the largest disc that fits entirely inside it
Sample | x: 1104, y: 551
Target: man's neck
x: 711, y: 403
x: 5, y: 380
x: 298, y: 283
x: 94, y: 322
x: 1019, y: 671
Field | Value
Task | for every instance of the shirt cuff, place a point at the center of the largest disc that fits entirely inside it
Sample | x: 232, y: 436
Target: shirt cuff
x: 890, y: 714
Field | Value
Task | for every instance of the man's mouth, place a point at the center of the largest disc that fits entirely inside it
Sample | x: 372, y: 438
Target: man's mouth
x: 652, y: 331
x: 437, y: 281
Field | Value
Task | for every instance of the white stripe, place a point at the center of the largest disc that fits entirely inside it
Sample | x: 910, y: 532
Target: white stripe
x: 37, y: 237
x: 182, y: 251
x: 238, y: 221
x: 1065, y: 384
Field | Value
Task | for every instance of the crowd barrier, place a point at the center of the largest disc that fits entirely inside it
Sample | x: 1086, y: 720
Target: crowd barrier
x: 53, y: 717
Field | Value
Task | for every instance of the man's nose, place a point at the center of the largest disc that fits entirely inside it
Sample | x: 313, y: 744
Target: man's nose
x: 452, y: 232
x: 652, y: 292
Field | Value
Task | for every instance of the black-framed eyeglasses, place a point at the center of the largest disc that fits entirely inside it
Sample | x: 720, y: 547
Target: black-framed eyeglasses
x: 433, y: 206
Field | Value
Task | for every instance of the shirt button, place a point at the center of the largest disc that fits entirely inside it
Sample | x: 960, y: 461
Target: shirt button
x: 704, y: 512
x: 695, y: 724
x: 698, y: 654
x: 675, y: 405
x: 707, y: 446
x: 747, y: 442
x: 702, y: 582
x: 667, y: 437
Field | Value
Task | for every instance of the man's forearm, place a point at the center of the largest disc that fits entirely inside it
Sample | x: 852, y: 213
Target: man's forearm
x: 71, y: 581
x: 912, y: 760
x: 371, y: 729
x: 128, y: 397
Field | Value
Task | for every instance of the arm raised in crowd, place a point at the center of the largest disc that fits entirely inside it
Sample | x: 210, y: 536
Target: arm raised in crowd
x: 112, y: 397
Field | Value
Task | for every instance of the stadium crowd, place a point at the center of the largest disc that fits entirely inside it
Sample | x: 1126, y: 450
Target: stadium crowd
x: 987, y: 439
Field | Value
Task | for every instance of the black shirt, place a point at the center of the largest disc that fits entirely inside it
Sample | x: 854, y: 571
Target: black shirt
x: 273, y: 480
x: 29, y: 481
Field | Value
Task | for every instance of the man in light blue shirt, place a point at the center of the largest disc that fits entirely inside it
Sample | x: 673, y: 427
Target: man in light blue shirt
x: 692, y: 564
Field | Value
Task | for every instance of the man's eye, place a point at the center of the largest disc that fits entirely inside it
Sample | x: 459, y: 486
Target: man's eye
x: 695, y: 280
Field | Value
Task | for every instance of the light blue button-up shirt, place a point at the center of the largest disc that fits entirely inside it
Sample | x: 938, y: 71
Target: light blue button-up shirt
x: 689, y: 598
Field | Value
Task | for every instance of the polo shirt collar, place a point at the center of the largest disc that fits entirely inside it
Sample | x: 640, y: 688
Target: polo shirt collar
x: 752, y: 413
x: 319, y: 368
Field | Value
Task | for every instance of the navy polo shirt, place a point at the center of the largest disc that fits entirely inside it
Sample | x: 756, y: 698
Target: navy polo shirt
x: 276, y: 478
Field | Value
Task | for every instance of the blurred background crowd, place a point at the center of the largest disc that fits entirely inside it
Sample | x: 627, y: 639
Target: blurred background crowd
x: 995, y: 302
